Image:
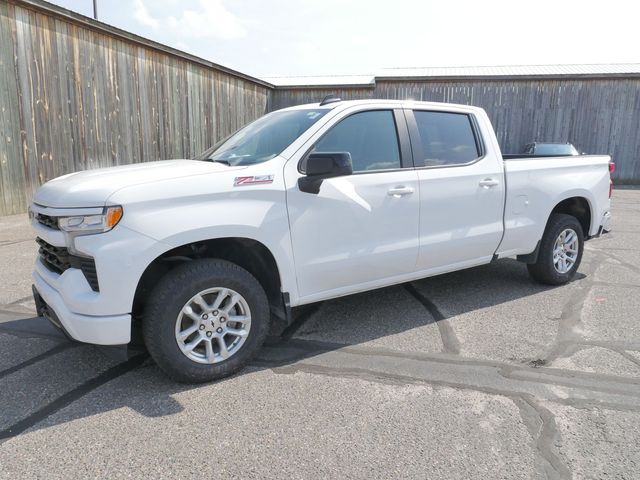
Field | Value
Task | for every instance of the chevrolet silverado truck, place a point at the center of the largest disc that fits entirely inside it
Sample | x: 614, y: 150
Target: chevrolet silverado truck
x: 205, y: 257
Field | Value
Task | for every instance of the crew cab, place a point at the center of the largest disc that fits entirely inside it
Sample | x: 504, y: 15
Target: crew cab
x: 308, y: 203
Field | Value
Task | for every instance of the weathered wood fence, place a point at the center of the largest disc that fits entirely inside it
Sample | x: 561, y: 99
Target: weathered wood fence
x: 78, y: 94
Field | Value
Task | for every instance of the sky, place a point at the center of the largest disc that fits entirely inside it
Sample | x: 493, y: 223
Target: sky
x: 267, y: 38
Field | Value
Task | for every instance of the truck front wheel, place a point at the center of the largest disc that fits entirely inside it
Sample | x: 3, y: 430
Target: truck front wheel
x: 560, y: 251
x: 205, y: 320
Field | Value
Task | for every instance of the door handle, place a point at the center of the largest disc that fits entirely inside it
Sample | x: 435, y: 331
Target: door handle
x: 489, y: 183
x: 399, y: 191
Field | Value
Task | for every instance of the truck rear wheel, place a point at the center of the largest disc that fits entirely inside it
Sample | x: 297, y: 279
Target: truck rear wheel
x: 560, y: 251
x: 205, y: 320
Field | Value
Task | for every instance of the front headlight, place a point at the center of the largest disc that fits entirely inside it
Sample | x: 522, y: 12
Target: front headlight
x: 92, y: 223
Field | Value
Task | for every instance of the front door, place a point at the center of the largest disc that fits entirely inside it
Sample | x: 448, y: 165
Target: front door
x: 362, y: 228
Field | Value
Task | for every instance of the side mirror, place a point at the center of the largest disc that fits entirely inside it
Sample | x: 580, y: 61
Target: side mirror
x: 321, y: 166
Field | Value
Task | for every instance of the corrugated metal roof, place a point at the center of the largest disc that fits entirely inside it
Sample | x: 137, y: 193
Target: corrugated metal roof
x: 323, y: 80
x: 513, y: 70
x: 611, y: 69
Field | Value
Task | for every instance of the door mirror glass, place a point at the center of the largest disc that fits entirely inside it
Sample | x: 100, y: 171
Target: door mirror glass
x: 320, y: 166
x: 329, y: 164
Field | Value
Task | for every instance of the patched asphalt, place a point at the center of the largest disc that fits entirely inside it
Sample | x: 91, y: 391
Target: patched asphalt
x: 474, y: 374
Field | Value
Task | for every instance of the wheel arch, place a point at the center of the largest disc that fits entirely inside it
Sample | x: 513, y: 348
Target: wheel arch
x: 578, y: 206
x: 248, y: 253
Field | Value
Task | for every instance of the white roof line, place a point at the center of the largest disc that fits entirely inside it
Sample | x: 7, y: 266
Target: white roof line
x: 612, y: 69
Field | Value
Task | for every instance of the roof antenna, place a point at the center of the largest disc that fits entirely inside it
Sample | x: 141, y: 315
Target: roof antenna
x: 330, y: 99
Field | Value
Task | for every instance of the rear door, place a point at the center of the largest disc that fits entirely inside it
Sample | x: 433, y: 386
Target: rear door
x: 360, y: 229
x: 461, y: 190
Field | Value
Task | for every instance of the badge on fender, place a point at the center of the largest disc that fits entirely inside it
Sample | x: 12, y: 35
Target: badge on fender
x: 254, y: 180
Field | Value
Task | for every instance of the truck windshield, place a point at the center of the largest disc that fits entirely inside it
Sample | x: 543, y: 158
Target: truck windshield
x: 263, y: 139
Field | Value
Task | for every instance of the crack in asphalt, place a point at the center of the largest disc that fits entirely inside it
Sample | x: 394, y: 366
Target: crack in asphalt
x: 568, y: 336
x: 615, y: 345
x: 309, y: 348
x: 450, y: 342
x: 525, y: 379
x: 568, y: 340
x: 541, y: 424
x: 571, y: 348
x: 629, y: 357
x: 539, y: 421
x: 287, y: 367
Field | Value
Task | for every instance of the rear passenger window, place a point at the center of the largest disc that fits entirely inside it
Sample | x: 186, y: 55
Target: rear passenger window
x: 446, y: 138
x: 370, y: 138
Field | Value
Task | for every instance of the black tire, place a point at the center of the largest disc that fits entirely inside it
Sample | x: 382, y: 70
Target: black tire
x: 174, y: 290
x: 544, y: 270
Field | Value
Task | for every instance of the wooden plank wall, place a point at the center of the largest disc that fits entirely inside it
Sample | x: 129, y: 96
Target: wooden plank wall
x: 12, y: 174
x: 599, y: 116
x: 74, y: 97
x: 286, y: 97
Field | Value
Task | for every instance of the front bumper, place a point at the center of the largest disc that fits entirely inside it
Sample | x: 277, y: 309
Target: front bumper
x: 87, y: 314
x: 100, y: 330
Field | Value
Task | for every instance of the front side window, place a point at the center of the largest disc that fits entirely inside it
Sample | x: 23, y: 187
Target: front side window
x: 265, y: 138
x: 446, y: 138
x: 370, y: 138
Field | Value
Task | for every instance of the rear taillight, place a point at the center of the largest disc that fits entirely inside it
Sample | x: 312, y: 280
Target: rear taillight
x: 612, y: 168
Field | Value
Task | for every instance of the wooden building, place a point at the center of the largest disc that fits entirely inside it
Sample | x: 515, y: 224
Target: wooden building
x: 77, y: 94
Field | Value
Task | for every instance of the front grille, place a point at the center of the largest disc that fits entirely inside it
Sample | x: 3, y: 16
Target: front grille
x: 55, y: 259
x: 47, y: 221
x: 58, y: 259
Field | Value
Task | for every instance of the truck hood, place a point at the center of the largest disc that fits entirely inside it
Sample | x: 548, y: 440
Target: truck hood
x: 91, y: 188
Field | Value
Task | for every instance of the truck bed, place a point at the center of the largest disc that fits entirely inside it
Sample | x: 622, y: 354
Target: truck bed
x: 536, y: 184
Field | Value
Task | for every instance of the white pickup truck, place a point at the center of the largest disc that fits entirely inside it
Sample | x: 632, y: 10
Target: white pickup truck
x: 305, y: 204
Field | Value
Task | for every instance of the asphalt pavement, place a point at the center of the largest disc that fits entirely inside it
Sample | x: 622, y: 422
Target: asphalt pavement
x: 476, y: 374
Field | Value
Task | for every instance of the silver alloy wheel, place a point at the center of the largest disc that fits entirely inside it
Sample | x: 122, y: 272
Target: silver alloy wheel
x: 213, y: 325
x: 565, y: 250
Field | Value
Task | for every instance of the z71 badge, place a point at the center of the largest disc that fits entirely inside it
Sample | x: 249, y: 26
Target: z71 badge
x: 242, y: 181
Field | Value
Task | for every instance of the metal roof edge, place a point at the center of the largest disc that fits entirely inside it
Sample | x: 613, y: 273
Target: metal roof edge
x: 370, y: 86
x: 509, y: 78
x: 459, y: 78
